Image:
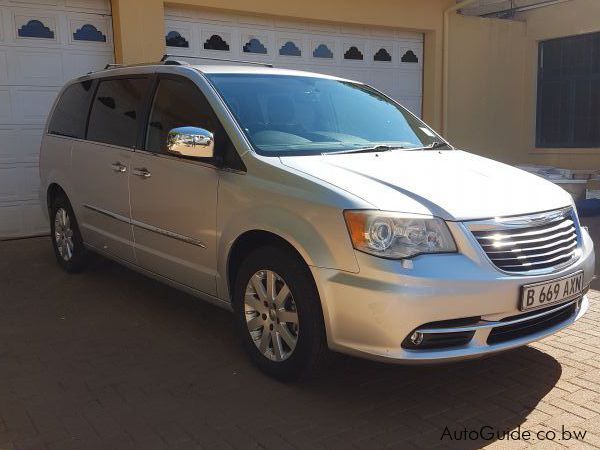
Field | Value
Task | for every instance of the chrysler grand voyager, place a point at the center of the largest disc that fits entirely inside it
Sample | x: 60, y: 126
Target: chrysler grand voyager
x: 319, y: 210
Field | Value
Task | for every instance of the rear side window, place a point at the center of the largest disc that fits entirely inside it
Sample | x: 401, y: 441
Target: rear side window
x: 71, y: 111
x: 117, y: 110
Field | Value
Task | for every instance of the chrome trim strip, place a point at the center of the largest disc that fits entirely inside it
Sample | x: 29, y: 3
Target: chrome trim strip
x: 497, y: 324
x: 108, y: 213
x: 526, y: 220
x: 535, y: 255
x: 529, y: 249
x: 502, y: 243
x: 145, y: 226
x: 505, y: 234
x: 171, y: 234
x: 571, y: 255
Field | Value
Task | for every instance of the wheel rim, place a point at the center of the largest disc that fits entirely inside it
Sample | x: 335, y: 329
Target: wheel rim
x: 63, y: 234
x: 271, y: 315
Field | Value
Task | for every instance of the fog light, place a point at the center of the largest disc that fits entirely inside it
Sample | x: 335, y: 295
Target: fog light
x: 416, y: 338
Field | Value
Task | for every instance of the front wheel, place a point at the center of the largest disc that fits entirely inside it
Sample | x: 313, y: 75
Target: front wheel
x: 278, y: 314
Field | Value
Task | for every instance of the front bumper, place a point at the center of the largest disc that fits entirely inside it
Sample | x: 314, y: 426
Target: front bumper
x: 371, y: 313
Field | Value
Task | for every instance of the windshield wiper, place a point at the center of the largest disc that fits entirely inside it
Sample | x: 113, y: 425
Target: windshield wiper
x: 432, y: 146
x: 376, y: 148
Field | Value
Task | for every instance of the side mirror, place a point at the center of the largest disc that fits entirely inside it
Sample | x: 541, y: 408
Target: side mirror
x: 192, y: 142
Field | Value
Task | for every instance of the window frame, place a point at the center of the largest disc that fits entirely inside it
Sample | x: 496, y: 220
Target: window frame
x: 215, y: 161
x: 540, y: 141
x: 98, y: 81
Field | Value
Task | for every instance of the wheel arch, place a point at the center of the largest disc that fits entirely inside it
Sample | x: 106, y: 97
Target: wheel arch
x: 250, y: 240
x: 256, y: 238
x: 54, y: 189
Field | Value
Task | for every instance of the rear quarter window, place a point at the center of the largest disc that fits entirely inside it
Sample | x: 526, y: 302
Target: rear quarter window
x: 70, y: 115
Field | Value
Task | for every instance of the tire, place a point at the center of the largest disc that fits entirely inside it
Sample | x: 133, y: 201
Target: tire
x: 68, y: 246
x: 282, y: 361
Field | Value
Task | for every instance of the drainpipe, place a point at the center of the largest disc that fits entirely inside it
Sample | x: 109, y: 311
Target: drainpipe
x: 445, y: 62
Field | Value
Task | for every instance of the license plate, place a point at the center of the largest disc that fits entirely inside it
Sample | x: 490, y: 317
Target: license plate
x: 546, y: 293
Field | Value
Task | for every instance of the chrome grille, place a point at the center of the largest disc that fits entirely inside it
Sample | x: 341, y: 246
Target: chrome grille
x: 529, y: 243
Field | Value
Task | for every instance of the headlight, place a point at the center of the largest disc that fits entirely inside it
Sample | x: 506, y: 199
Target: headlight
x: 396, y: 235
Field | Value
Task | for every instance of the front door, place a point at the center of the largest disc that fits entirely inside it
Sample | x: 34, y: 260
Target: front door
x: 102, y: 165
x: 174, y: 199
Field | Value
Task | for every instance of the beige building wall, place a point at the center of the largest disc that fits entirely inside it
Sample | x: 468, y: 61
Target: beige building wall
x: 139, y: 28
x: 485, y: 86
x: 493, y: 82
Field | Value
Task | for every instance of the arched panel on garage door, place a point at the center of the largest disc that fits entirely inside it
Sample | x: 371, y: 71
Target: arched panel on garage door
x: 389, y: 59
x: 41, y: 47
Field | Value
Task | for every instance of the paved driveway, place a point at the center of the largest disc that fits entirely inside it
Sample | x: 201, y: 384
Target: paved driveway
x: 110, y: 359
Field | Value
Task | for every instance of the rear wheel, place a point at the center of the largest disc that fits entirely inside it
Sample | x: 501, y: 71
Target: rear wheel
x: 278, y: 313
x: 66, y: 238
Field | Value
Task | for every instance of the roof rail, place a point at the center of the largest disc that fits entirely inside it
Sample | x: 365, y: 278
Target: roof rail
x: 165, y: 60
x: 112, y: 66
x: 174, y: 62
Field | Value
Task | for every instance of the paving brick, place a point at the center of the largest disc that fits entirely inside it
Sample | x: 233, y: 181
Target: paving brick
x: 109, y: 359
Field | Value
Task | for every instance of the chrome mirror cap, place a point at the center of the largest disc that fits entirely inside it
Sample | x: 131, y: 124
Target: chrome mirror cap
x: 192, y: 142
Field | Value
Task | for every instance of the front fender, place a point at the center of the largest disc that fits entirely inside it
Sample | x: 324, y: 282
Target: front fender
x: 316, y: 229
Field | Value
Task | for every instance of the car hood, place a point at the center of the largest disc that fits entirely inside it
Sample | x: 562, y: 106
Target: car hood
x: 451, y: 184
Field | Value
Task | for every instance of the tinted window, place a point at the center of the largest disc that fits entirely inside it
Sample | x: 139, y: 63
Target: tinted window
x: 71, y: 111
x: 117, y: 110
x: 568, y: 113
x: 179, y: 103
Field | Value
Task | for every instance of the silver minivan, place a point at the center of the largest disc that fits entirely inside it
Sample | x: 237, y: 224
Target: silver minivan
x: 319, y: 210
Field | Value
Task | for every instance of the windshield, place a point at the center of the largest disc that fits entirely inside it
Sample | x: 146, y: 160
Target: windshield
x: 297, y: 115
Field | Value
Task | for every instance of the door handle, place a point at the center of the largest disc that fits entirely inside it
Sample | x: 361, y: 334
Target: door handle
x: 118, y: 167
x: 142, y: 172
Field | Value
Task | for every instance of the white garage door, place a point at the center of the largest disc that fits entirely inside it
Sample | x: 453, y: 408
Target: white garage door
x: 391, y: 60
x: 42, y: 44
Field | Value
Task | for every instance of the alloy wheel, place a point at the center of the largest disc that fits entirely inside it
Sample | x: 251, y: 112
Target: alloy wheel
x: 63, y: 234
x: 271, y: 315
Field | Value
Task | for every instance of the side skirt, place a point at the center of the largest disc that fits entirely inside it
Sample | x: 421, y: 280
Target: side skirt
x: 181, y: 287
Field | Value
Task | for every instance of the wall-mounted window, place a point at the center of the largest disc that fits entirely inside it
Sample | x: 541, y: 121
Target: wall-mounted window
x: 216, y: 42
x: 175, y: 39
x: 35, y: 29
x: 322, y: 51
x: 353, y: 53
x: 89, y: 32
x: 409, y: 57
x: 254, y: 46
x: 382, y: 55
x: 290, y: 49
x: 568, y: 98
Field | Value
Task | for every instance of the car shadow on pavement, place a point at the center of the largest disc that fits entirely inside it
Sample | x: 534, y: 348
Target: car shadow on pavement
x: 460, y: 405
x: 110, y: 358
